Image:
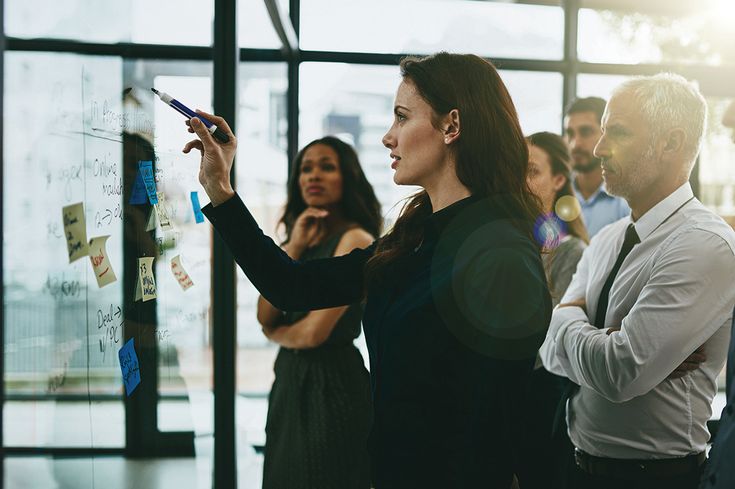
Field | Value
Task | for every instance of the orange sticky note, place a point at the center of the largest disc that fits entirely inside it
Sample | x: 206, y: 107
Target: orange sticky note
x: 100, y: 261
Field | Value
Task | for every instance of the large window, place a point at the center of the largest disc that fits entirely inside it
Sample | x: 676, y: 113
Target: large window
x: 497, y: 29
x: 701, y: 36
x: 181, y: 22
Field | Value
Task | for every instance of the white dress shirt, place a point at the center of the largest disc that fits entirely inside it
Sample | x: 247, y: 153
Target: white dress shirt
x: 672, y: 294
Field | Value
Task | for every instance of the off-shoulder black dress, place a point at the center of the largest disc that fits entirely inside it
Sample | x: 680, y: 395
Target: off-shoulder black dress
x: 319, y: 408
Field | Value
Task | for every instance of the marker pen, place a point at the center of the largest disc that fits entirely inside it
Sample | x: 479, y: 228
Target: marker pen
x: 218, y: 133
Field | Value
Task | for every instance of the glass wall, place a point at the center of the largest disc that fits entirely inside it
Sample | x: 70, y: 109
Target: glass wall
x: 262, y: 172
x: 62, y: 330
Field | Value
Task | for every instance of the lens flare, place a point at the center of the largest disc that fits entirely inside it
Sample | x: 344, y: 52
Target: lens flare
x: 549, y: 230
x: 567, y: 208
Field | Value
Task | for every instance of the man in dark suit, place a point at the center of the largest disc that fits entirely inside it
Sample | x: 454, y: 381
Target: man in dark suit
x: 720, y: 471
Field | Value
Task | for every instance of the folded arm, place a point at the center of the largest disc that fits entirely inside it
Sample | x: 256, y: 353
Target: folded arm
x: 687, y: 298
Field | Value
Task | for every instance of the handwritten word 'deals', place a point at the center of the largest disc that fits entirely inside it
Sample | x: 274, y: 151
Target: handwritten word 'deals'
x: 180, y: 274
x: 145, y: 286
x: 75, y: 230
x: 100, y: 262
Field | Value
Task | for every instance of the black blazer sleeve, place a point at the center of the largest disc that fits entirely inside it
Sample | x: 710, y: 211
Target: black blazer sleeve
x: 287, y: 284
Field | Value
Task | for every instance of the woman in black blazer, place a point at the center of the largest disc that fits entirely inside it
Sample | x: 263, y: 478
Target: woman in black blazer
x: 456, y: 300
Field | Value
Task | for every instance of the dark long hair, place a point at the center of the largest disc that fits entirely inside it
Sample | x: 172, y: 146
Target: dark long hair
x: 561, y: 164
x: 491, y: 154
x: 359, y: 204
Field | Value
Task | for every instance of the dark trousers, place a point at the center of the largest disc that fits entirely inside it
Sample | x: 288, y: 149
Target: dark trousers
x: 578, y: 479
x: 543, y: 460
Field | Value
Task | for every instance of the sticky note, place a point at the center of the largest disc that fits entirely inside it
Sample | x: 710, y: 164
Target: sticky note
x: 152, y: 220
x: 181, y: 276
x: 145, y: 286
x: 75, y: 230
x: 139, y: 195
x: 129, y: 366
x: 146, y: 173
x: 162, y: 213
x: 100, y: 261
x: 198, y: 215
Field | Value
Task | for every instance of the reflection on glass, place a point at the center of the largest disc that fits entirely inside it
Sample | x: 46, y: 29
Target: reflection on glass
x: 182, y: 333
x: 62, y: 331
x: 424, y: 26
x: 158, y: 22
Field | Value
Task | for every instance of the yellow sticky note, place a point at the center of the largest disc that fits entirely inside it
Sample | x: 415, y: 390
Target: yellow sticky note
x: 162, y: 212
x: 100, y: 261
x: 146, y: 286
x: 181, y: 276
x: 75, y: 230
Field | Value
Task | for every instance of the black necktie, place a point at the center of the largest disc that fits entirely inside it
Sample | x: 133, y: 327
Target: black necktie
x: 631, y: 239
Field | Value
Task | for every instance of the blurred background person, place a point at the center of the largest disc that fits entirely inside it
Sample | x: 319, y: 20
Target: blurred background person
x: 319, y: 410
x: 562, y: 233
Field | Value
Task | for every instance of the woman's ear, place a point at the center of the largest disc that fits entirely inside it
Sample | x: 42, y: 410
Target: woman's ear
x: 451, y: 126
x: 558, y: 181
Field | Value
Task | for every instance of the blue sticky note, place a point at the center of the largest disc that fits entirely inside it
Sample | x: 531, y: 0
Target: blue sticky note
x: 198, y: 216
x: 146, y: 172
x: 129, y: 366
x: 139, y: 194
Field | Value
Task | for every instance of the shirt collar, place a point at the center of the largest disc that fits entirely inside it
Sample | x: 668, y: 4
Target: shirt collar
x: 652, y: 219
x: 600, y: 192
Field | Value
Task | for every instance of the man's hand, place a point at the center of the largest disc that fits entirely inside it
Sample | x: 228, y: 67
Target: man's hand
x: 692, y: 362
x: 576, y: 303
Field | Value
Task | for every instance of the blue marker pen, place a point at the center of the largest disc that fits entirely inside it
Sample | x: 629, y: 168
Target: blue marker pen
x: 218, y: 133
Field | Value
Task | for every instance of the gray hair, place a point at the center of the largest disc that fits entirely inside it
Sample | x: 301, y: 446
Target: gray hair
x: 667, y: 101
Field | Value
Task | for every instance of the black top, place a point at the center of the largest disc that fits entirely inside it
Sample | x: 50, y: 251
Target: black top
x: 452, y: 334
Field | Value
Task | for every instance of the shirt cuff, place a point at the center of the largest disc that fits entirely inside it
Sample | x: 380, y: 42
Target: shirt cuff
x: 561, y: 319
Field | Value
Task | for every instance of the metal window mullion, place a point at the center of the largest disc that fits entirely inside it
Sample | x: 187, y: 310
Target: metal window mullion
x: 224, y: 297
x: 292, y: 97
x: 571, y: 32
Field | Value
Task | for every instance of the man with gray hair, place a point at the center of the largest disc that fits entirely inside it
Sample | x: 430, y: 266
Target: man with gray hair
x: 648, y: 292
